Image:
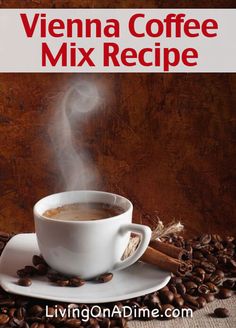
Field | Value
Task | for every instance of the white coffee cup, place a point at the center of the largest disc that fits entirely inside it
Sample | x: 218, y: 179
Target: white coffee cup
x: 87, y: 248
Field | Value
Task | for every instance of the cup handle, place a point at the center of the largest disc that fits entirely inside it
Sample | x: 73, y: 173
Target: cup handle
x: 145, y: 233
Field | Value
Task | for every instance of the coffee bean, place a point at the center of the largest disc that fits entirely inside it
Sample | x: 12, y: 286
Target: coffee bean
x: 190, y: 287
x: 211, y: 258
x: 232, y: 264
x: 62, y: 283
x: 181, y: 288
x: 229, y: 283
x: 166, y: 297
x: 216, y: 238
x: 190, y: 300
x: 37, y: 325
x: 121, y: 322
x: 73, y: 323
x: 36, y: 310
x: 105, y: 323
x: 213, y: 288
x: 175, y: 280
x: 2, y: 245
x: 76, y: 282
x: 225, y: 293
x: 164, y: 289
x: 178, y: 300
x: 220, y: 273
x: 20, y: 313
x: 36, y: 260
x: 198, y: 255
x: 203, y: 289
x: 42, y: 269
x: 209, y: 297
x: 105, y: 277
x: 4, y: 236
x: 4, y: 319
x: 30, y: 270
x: 167, y: 309
x: 200, y: 272
x: 205, y: 239
x: 173, y: 289
x: 93, y: 323
x: 197, y: 280
x: 208, y: 267
x: 216, y: 279
x: 21, y: 273
x: 207, y: 277
x: 53, y: 277
x: 221, y: 313
x: 12, y: 312
x: 196, y: 245
x: 26, y: 282
x: 152, y: 301
x: 201, y: 301
x: 7, y: 302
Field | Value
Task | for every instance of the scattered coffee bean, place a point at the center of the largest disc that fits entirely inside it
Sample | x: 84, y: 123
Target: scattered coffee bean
x: 201, y: 301
x: 42, y: 269
x: 181, y: 289
x: 220, y: 273
x: 205, y: 239
x: 173, y: 289
x: 212, y: 287
x: 4, y: 319
x: 36, y: 260
x: 166, y: 297
x: 76, y: 282
x: 168, y: 307
x: 191, y: 301
x: 152, y: 301
x: 203, y: 289
x: 73, y: 323
x: 63, y: 282
x: 209, y: 297
x: 190, y: 287
x: 178, y: 300
x: 26, y: 282
x: 208, y: 266
x: 6, y: 301
x: 2, y: 245
x: 53, y: 277
x: 105, y: 277
x: 229, y: 283
x: 216, y: 279
x: 225, y: 293
x: 36, y: 310
x: 200, y: 273
x: 221, y: 313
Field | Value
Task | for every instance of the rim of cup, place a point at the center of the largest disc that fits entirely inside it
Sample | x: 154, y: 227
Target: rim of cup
x: 40, y: 216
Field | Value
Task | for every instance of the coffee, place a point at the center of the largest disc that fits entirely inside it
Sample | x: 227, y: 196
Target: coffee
x: 83, y: 212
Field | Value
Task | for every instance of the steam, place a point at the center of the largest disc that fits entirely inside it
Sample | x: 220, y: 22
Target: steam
x: 76, y: 104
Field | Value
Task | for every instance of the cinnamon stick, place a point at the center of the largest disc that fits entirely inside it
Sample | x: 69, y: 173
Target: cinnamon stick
x: 165, y: 262
x: 171, y: 250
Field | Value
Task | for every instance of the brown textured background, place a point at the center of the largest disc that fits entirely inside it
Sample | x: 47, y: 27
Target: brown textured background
x: 166, y: 141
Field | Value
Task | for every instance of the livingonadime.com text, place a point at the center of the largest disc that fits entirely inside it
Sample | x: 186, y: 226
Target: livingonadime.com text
x: 126, y: 311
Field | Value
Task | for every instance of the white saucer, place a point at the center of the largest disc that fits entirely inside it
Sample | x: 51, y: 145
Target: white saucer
x: 137, y: 280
